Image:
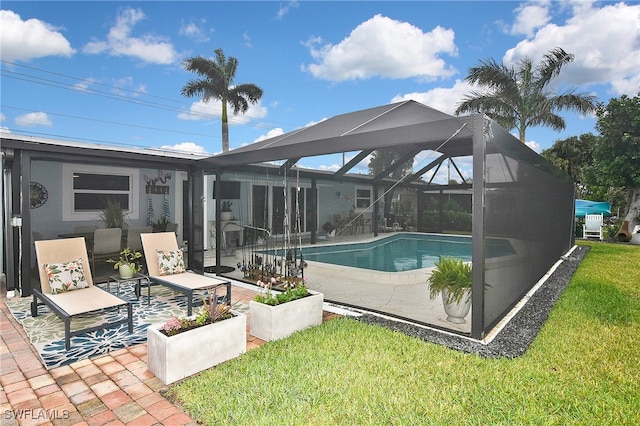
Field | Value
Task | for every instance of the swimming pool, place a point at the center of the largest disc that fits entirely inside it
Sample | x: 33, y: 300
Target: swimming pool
x: 402, y: 252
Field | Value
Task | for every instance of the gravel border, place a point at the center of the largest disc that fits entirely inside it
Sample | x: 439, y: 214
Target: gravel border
x: 517, y: 335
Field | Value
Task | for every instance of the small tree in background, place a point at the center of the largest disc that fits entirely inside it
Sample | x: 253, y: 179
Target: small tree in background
x: 616, y: 154
x: 381, y: 160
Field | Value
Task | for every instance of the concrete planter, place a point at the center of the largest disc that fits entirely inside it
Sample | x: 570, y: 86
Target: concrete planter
x: 456, y: 311
x: 277, y: 322
x: 176, y: 357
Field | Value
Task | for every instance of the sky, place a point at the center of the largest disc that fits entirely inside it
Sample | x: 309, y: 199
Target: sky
x: 111, y: 72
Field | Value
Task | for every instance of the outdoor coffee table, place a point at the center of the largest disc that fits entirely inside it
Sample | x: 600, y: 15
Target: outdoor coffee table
x: 137, y: 278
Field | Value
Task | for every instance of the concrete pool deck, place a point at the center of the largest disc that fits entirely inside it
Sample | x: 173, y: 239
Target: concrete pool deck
x: 397, y: 294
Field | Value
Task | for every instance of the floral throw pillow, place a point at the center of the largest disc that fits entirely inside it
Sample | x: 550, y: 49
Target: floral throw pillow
x: 65, y: 276
x: 170, y: 262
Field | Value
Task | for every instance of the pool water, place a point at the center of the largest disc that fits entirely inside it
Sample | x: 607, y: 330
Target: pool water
x: 402, y: 252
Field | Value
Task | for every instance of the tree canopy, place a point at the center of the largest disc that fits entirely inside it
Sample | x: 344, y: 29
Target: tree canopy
x: 519, y: 97
x: 607, y: 166
x: 217, y: 83
x: 617, y: 152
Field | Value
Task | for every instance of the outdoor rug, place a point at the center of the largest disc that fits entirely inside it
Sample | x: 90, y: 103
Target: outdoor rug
x: 46, y: 331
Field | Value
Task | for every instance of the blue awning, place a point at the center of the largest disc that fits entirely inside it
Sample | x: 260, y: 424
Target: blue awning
x: 584, y: 207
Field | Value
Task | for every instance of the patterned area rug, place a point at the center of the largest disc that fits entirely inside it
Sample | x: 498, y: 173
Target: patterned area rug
x: 46, y: 331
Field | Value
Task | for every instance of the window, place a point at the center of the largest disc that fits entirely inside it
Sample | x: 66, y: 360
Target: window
x: 86, y: 190
x: 363, y: 198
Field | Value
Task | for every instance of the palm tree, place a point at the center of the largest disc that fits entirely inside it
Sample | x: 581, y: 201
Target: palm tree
x: 218, y: 84
x: 519, y: 97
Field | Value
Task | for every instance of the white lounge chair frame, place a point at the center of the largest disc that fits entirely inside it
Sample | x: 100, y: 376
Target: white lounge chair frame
x: 186, y: 282
x: 73, y: 303
x: 593, y: 226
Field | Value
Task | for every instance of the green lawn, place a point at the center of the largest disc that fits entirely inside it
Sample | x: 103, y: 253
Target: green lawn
x: 582, y: 369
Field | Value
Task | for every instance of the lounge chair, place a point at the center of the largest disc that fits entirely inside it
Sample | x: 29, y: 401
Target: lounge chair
x: 592, y: 226
x: 66, y: 286
x: 165, y: 266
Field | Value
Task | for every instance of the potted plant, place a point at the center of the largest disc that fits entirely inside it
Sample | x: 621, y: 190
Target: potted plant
x: 225, y: 210
x: 275, y: 316
x: 182, y: 347
x: 160, y: 225
x: 452, y: 278
x: 112, y: 215
x: 127, y: 264
x: 330, y: 229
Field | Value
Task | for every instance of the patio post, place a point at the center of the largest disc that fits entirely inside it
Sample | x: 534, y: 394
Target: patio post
x: 477, y: 228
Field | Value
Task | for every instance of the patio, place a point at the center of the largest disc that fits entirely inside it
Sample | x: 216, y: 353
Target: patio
x: 115, y: 388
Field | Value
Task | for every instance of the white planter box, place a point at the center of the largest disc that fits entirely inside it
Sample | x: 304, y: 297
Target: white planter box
x: 277, y: 322
x: 176, y: 357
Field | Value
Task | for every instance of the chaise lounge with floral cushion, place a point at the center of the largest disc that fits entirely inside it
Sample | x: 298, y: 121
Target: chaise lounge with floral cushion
x: 165, y: 266
x: 66, y: 286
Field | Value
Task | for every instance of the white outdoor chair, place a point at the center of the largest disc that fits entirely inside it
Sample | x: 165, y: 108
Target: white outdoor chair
x: 592, y: 227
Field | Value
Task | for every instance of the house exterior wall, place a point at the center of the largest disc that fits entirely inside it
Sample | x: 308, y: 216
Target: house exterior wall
x: 337, y: 197
x: 50, y: 220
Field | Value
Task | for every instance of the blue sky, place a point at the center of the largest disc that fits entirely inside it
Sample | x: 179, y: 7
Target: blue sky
x: 111, y: 73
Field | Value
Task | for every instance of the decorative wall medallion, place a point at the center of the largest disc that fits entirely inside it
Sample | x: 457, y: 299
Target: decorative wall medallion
x: 39, y: 194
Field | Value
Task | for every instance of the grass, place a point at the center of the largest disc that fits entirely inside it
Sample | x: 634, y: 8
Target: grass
x: 582, y: 369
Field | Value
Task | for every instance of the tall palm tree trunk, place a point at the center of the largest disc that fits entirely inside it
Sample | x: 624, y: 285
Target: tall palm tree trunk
x: 225, y: 127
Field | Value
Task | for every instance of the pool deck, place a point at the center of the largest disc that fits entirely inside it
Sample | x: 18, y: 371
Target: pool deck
x: 398, y: 294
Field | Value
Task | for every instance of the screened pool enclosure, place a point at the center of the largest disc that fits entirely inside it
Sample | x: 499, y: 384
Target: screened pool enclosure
x: 465, y: 178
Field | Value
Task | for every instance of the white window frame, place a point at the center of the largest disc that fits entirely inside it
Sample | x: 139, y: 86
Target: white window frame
x: 369, y: 199
x: 68, y: 170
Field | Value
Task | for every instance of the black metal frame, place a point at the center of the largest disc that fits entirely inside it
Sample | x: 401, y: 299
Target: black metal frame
x: 189, y: 291
x: 66, y: 318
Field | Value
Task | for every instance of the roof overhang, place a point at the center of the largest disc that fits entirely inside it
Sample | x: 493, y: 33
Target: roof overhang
x: 53, y: 149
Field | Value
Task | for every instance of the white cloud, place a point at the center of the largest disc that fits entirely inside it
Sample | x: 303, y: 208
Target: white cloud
x: 195, y: 32
x: 270, y: 134
x: 440, y: 98
x: 312, y: 123
x: 247, y: 39
x: 530, y: 17
x: 119, y: 42
x: 385, y: 48
x: 3, y: 129
x: 84, y: 85
x: 534, y: 146
x: 213, y: 110
x: 25, y: 40
x: 604, y: 41
x: 278, y: 131
x: 33, y: 119
x: 189, y: 147
x: 283, y: 10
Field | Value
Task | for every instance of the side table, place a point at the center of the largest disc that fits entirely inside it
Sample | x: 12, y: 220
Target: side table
x: 137, y: 278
